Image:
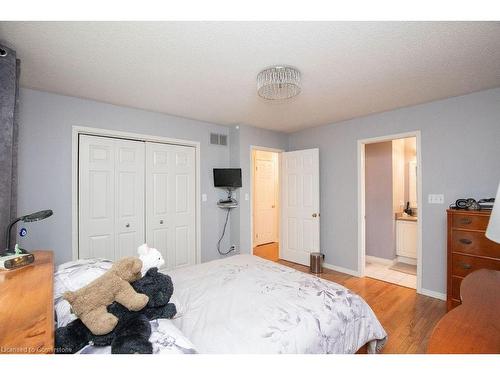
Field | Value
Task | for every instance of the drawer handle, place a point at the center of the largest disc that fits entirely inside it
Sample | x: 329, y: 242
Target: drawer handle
x: 465, y: 241
x: 465, y: 220
x: 465, y: 266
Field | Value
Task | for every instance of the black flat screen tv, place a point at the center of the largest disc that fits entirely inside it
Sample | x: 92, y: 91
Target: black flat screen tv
x: 228, y: 178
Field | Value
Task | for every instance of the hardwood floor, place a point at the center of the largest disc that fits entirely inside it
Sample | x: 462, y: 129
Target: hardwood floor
x: 268, y: 251
x: 407, y: 317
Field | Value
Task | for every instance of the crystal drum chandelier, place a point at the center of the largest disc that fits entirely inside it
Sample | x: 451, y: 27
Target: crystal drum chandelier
x: 278, y: 83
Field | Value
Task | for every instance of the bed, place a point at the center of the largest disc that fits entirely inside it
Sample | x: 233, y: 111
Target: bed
x: 245, y: 304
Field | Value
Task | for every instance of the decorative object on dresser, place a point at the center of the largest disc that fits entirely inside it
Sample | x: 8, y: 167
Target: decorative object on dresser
x: 17, y: 257
x: 473, y: 327
x: 26, y: 307
x: 468, y: 249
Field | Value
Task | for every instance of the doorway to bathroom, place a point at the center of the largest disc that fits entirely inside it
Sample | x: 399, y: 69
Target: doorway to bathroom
x: 390, y: 225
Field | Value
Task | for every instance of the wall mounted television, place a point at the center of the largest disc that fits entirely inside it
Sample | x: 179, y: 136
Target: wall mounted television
x: 227, y: 178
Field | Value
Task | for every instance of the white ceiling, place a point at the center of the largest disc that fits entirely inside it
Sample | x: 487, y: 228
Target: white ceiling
x: 207, y: 70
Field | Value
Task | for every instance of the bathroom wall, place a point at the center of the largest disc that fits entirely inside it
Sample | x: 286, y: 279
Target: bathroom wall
x: 379, y: 200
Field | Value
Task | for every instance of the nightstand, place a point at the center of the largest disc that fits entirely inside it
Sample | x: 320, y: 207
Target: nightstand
x: 27, y: 307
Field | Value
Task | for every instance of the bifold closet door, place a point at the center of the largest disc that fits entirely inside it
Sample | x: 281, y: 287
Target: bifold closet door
x: 110, y: 197
x: 170, y: 202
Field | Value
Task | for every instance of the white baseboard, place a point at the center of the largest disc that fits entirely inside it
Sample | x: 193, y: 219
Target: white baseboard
x: 406, y: 260
x: 433, y: 294
x: 341, y: 269
x: 373, y: 259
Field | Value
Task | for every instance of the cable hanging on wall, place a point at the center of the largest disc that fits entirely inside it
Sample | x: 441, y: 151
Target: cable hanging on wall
x: 229, y: 179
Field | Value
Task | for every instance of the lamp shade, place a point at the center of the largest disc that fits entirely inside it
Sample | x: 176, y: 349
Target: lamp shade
x: 493, y: 231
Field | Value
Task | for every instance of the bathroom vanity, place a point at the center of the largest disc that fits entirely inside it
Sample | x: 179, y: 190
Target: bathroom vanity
x: 406, y: 237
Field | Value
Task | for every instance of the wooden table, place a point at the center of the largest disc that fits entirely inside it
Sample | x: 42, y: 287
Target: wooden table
x: 27, y: 307
x: 474, y: 326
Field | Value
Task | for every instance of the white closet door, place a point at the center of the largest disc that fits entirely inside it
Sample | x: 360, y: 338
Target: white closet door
x: 111, y: 197
x: 129, y: 197
x: 96, y: 197
x: 170, y: 202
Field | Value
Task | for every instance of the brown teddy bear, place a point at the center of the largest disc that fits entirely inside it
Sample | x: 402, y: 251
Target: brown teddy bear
x: 89, y: 303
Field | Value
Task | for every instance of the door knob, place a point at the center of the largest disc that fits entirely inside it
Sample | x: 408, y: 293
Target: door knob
x: 314, y: 215
x: 272, y: 206
x: 161, y: 221
x: 127, y: 225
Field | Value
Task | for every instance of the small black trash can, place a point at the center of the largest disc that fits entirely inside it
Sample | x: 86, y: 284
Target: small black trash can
x: 316, y: 262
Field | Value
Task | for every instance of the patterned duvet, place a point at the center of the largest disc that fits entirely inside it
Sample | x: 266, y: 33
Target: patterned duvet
x: 245, y: 304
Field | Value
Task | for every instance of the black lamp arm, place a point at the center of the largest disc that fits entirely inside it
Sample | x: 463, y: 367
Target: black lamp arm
x: 7, y: 234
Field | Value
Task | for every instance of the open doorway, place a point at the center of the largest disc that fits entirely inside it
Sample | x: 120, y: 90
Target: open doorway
x: 391, y: 226
x: 265, y: 203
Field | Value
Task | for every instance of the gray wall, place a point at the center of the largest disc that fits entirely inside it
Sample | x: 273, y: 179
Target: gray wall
x: 378, y: 200
x: 243, y: 138
x: 460, y: 158
x: 46, y: 122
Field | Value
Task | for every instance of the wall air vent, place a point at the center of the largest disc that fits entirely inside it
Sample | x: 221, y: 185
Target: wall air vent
x: 218, y: 139
x: 223, y: 139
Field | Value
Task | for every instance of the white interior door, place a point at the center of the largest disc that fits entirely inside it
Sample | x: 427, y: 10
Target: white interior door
x: 170, y: 202
x: 300, y: 205
x: 129, y: 197
x: 265, y: 197
x: 110, y: 197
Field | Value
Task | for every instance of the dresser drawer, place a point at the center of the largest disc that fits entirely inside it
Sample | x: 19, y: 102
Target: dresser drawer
x: 465, y: 221
x: 474, y: 243
x: 454, y: 303
x: 455, y: 287
x: 462, y: 265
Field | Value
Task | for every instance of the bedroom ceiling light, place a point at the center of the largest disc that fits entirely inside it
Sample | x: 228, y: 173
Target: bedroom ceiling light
x: 278, y: 83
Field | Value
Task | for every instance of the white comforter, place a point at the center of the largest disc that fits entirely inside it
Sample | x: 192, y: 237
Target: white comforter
x: 245, y: 304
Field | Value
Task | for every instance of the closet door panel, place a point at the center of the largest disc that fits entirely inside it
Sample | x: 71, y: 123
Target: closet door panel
x: 111, y: 197
x: 96, y: 197
x: 181, y: 246
x: 129, y: 197
x: 158, y: 228
x: 183, y: 167
x: 170, y: 202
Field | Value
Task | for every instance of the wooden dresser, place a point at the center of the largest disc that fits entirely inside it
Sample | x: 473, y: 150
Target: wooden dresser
x: 468, y: 249
x: 26, y: 307
x: 473, y: 327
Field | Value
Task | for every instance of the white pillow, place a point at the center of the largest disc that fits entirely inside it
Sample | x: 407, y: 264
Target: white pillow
x: 73, y: 276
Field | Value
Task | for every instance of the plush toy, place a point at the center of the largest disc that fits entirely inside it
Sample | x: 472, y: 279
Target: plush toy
x: 150, y: 258
x: 133, y: 330
x: 90, y: 302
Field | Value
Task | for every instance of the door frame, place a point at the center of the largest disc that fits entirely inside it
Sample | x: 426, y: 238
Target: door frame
x: 77, y: 130
x: 361, y: 199
x: 278, y: 151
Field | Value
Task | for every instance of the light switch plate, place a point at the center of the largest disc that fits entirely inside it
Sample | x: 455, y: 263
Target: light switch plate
x: 247, y: 197
x: 203, y: 197
x: 436, y: 198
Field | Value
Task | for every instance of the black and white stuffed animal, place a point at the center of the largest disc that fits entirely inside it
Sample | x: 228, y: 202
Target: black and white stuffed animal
x: 131, y: 334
